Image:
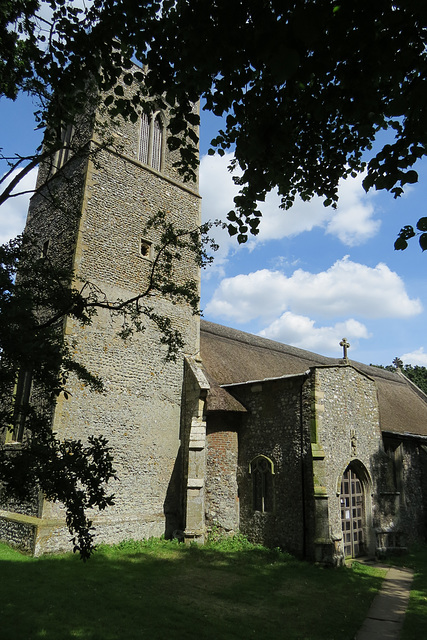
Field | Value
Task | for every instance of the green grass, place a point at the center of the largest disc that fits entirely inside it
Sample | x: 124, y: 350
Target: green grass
x: 157, y: 589
x: 415, y: 624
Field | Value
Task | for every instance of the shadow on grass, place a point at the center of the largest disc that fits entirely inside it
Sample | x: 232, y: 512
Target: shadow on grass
x: 138, y: 592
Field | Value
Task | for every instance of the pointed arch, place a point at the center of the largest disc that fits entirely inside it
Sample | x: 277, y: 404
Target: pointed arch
x: 362, y: 473
x: 354, y: 489
x: 261, y: 470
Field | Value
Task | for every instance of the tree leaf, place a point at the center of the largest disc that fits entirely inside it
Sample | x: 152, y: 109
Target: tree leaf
x: 410, y: 177
x: 400, y: 244
x: 422, y: 224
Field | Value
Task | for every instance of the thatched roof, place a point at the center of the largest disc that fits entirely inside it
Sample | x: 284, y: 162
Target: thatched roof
x: 230, y: 356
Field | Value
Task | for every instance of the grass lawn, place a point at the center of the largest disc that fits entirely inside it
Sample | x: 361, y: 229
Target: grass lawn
x: 156, y: 590
x: 415, y: 624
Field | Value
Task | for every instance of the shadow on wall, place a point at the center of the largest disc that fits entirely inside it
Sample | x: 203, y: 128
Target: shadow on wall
x: 400, y: 495
x: 172, y: 506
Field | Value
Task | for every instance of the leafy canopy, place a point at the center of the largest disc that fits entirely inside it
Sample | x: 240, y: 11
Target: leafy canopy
x: 304, y: 85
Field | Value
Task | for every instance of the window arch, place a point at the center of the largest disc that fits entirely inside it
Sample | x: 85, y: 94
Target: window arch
x: 261, y: 470
x: 64, y: 153
x: 151, y: 136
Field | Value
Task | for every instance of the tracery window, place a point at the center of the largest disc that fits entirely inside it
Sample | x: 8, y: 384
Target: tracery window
x: 151, y: 141
x: 262, y: 471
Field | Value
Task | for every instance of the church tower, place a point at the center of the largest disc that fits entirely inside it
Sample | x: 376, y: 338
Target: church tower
x: 104, y: 201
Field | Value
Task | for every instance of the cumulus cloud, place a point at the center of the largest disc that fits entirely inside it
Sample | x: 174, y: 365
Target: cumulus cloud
x: 352, y: 222
x: 13, y: 212
x: 345, y: 289
x: 300, y: 331
x: 417, y: 357
x: 217, y: 190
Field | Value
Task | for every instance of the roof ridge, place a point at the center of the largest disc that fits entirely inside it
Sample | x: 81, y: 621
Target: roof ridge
x: 281, y: 347
x: 252, y: 339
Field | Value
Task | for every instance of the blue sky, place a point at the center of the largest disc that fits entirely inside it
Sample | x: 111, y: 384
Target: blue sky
x: 312, y: 276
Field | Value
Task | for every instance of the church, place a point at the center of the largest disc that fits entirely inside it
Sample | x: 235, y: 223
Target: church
x: 325, y: 458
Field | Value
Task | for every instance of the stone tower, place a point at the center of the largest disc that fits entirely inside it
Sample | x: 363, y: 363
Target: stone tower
x: 99, y: 228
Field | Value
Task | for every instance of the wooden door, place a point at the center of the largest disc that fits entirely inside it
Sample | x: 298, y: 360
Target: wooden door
x: 352, y: 514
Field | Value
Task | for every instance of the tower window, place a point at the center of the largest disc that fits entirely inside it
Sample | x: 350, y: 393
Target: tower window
x: 21, y: 399
x: 45, y: 249
x: 64, y: 153
x: 146, y: 249
x: 151, y: 141
x: 157, y: 143
x: 144, y: 138
x: 262, y: 471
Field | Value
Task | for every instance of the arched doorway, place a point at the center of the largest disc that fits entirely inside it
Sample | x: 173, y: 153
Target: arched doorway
x: 352, y: 513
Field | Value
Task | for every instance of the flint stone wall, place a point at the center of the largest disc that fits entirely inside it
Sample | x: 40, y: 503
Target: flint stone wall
x: 273, y: 428
x: 98, y: 229
x: 345, y: 429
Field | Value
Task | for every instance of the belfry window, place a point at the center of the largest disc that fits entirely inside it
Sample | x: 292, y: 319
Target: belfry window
x: 156, y: 156
x: 144, y: 138
x: 262, y: 471
x: 151, y: 141
x: 64, y: 153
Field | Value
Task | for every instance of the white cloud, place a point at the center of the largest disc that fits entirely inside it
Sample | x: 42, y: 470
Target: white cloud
x: 218, y: 190
x: 245, y: 297
x: 352, y: 222
x: 345, y: 289
x: 13, y: 212
x: 417, y: 357
x: 300, y: 331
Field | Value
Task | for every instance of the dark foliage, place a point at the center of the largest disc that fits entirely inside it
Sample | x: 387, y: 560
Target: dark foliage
x: 304, y: 85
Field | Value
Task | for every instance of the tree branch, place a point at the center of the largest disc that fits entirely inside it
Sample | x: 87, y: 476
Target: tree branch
x: 7, y: 193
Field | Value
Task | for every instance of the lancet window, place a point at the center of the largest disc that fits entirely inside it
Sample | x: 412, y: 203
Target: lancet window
x: 21, y: 398
x: 64, y: 153
x: 262, y: 473
x: 151, y: 141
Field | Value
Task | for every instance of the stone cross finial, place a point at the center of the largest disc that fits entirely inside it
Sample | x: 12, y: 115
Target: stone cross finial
x: 345, y: 345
